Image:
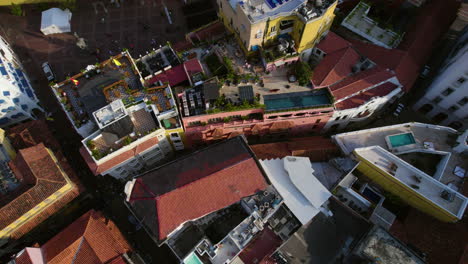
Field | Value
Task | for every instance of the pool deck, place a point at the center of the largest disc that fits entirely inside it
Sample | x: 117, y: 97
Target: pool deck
x: 439, y: 136
x: 277, y: 80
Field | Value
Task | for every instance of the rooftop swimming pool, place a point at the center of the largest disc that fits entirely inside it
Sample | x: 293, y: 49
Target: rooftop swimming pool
x: 298, y: 100
x: 401, y: 140
x: 192, y: 259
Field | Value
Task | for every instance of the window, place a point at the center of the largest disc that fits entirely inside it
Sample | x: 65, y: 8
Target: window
x: 463, y: 101
x: 447, y: 92
x: 16, y: 100
x: 461, y: 80
x: 338, y: 118
x: 243, y: 28
x: 285, y: 24
x: 453, y: 108
x: 437, y: 100
x: 174, y: 135
x: 344, y: 117
x: 273, y: 29
x: 6, y: 93
x: 259, y: 34
x: 456, y: 125
x: 24, y: 107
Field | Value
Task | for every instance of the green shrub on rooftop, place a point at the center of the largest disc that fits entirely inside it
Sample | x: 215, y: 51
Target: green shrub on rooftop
x: 17, y: 10
x: 303, y: 72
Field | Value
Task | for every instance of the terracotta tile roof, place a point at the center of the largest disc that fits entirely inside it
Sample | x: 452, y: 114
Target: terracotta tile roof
x: 37, y: 162
x: 213, y: 31
x: 261, y: 247
x: 122, y: 157
x: 335, y: 67
x: 317, y: 148
x: 271, y: 150
x: 442, y: 242
x: 195, y: 185
x: 31, y: 133
x: 363, y: 97
x: 281, y: 126
x: 208, y: 195
x: 174, y: 76
x: 90, y: 239
x: 192, y: 67
x: 182, y: 46
x: 418, y: 43
x: 359, y: 82
x: 332, y: 42
x: 218, y: 132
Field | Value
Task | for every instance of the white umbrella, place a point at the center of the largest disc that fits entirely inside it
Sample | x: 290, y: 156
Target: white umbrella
x: 55, y: 20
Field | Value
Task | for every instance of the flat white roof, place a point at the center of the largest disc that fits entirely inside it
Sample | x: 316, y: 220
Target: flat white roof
x: 294, y: 179
x: 441, y: 139
x: 110, y: 113
x: 407, y: 174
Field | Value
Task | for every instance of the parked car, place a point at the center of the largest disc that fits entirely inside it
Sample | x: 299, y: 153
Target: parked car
x: 48, y: 71
x: 425, y: 72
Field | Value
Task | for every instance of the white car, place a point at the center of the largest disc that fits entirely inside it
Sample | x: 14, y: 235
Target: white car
x: 48, y: 71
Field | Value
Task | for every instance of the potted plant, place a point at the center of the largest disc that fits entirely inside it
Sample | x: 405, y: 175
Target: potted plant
x: 90, y: 144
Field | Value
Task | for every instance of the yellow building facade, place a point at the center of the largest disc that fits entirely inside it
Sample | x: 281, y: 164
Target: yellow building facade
x: 18, y: 2
x: 8, y: 152
x: 6, y: 232
x: 410, y: 196
x: 264, y: 30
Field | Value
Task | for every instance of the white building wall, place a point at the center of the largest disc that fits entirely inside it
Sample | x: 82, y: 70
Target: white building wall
x: 17, y: 98
x: 448, y: 93
x: 342, y: 118
x: 143, y: 160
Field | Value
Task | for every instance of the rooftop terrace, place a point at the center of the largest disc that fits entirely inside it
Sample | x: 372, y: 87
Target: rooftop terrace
x: 258, y: 10
x: 410, y: 176
x: 107, y: 91
x: 360, y: 23
x: 88, y: 91
x: 274, y: 95
x: 380, y: 245
x: 131, y: 124
x: 429, y: 139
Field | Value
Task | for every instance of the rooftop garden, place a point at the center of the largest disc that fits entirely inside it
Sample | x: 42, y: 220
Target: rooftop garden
x: 215, y: 66
x: 77, y: 93
x: 303, y: 72
x: 282, y: 49
x: 222, y: 104
x: 99, y: 149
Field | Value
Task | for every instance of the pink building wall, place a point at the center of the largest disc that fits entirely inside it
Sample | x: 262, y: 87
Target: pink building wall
x: 293, y: 123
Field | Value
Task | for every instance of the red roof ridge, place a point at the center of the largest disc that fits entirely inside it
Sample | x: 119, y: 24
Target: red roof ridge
x: 346, y: 52
x: 197, y: 180
x: 233, y: 187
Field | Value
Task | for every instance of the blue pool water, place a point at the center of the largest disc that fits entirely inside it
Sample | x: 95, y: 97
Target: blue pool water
x: 296, y: 100
x: 401, y: 140
x: 192, y: 259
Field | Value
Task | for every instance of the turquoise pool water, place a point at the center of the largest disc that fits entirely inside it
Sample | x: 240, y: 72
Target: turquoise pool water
x: 295, y: 100
x: 192, y: 259
x: 401, y: 140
